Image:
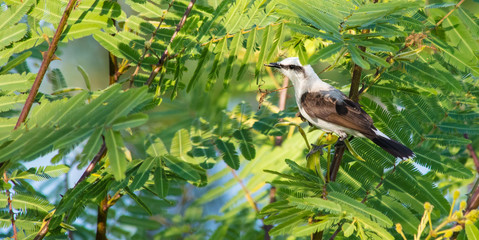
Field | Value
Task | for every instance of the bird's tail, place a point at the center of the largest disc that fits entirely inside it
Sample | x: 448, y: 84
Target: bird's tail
x: 391, y: 146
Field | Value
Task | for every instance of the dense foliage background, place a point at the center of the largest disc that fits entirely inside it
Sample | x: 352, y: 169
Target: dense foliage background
x: 154, y: 119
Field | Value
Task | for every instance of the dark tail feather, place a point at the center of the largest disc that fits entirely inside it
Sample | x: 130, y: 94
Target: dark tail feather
x: 393, y: 147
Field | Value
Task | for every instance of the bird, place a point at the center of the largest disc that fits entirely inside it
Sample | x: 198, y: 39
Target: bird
x: 327, y: 108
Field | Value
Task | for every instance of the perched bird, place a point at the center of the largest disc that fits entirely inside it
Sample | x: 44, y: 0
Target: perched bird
x: 329, y: 109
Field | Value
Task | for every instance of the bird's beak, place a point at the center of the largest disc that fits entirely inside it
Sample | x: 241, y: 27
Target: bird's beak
x: 274, y: 65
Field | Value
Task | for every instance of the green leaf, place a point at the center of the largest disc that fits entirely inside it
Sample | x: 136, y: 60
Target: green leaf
x: 452, y: 127
x: 229, y: 153
x: 181, y: 144
x: 156, y: 147
x: 315, y: 204
x: 138, y: 201
x: 181, y: 168
x: 161, y: 182
x: 440, y: 164
x: 130, y: 121
x: 85, y: 76
x: 265, y: 47
x: 471, y: 231
x: 374, y: 59
x: 250, y: 44
x: 14, y: 13
x: 304, y: 172
x: 27, y: 202
x: 219, y: 51
x: 205, y: 54
x: 311, y: 228
x: 425, y: 72
x: 371, y: 13
x: 142, y: 174
x: 15, y: 62
x: 71, y: 196
x: 246, y: 143
x: 16, y: 82
x: 349, y: 203
x: 326, y: 52
x: 232, y: 58
x: 9, y: 102
x: 12, y: 34
x: 447, y: 140
x: 92, y: 147
x: 396, y: 211
x: 356, y: 57
x: 116, y: 46
x: 278, y: 38
x: 348, y: 229
x: 42, y: 173
x: 115, y: 153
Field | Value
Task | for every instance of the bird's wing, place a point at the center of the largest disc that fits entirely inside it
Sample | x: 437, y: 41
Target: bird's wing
x: 343, y: 112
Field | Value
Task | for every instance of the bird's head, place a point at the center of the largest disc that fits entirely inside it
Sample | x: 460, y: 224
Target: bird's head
x: 291, y: 68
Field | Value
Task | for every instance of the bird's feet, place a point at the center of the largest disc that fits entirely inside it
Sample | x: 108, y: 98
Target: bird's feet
x: 315, y: 149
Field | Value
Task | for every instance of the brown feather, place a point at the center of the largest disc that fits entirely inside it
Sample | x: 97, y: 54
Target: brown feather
x: 345, y: 113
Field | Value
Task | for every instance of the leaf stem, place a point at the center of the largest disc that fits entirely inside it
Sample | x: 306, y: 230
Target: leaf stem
x: 44, y: 230
x: 449, y: 13
x: 213, y: 40
x: 147, y: 46
x: 162, y: 60
x: 248, y: 196
x: 10, y: 206
x: 47, y: 58
x: 101, y: 219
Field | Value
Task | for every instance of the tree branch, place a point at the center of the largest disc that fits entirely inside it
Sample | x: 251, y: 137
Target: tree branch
x: 93, y: 163
x: 473, y: 200
x: 147, y: 46
x: 44, y: 230
x: 449, y: 13
x: 472, y: 152
x: 101, y: 219
x: 47, y: 58
x: 162, y: 60
x: 10, y: 206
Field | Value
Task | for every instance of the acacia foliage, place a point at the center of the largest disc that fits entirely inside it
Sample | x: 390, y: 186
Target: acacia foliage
x: 420, y: 88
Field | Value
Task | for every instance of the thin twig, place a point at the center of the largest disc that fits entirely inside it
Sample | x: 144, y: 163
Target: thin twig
x: 101, y: 219
x: 472, y: 152
x: 473, y: 201
x: 44, y: 230
x: 10, y: 206
x: 246, y: 191
x: 449, y: 13
x: 281, y: 106
x: 93, y: 163
x: 147, y: 46
x: 161, y: 62
x: 242, y: 32
x: 113, y: 68
x: 47, y: 58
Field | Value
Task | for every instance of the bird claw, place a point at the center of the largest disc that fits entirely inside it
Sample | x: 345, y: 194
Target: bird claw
x: 315, y: 149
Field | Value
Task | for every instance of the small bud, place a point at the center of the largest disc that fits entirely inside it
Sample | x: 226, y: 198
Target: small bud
x: 473, y: 215
x: 456, y: 195
x: 459, y: 214
x: 398, y: 227
x: 448, y: 234
x: 427, y: 206
x: 457, y: 228
x: 462, y: 206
